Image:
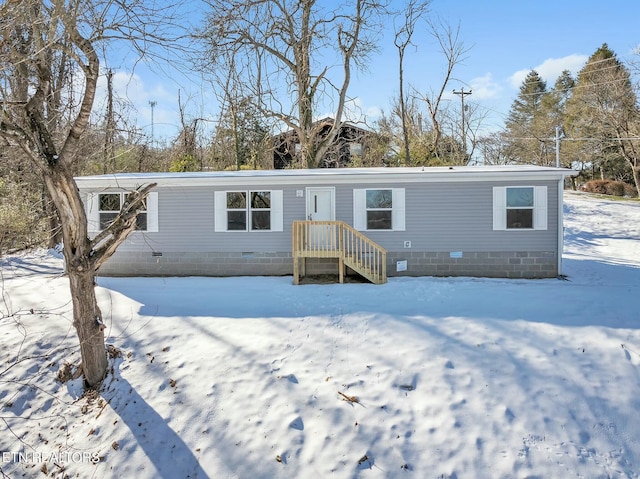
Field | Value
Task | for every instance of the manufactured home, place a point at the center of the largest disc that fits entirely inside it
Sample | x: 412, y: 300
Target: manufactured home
x: 498, y: 221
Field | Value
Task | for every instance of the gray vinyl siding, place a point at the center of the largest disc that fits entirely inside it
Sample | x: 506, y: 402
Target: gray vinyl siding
x: 445, y: 217
x: 186, y: 224
x: 439, y: 217
x: 447, y: 210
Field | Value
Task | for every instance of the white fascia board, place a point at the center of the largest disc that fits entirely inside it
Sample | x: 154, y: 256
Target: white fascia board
x: 271, y: 178
x: 560, y: 226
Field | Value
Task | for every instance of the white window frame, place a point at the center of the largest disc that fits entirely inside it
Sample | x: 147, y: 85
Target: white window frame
x: 93, y: 210
x: 251, y: 210
x: 220, y: 211
x: 539, y: 208
x: 236, y: 210
x: 397, y: 210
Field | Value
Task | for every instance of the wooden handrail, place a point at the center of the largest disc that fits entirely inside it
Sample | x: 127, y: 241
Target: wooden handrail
x: 337, y: 239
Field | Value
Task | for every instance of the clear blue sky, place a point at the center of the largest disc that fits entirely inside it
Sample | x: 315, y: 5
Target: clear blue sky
x: 506, y: 39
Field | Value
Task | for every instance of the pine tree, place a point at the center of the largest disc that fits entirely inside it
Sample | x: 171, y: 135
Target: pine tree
x: 554, y: 103
x: 526, y: 127
x: 603, y: 118
x: 528, y: 103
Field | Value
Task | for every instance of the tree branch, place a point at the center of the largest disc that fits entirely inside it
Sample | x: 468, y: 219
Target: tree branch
x: 107, y: 241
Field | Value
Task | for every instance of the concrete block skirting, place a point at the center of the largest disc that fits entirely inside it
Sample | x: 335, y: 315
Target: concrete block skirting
x: 517, y: 264
x: 528, y: 264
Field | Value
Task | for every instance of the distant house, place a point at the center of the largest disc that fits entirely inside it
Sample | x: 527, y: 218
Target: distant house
x: 501, y: 221
x: 351, y: 141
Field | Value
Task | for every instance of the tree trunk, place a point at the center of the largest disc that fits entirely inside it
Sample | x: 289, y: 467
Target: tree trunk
x: 80, y: 267
x: 42, y: 44
x: 88, y: 323
x: 403, y: 111
x: 55, y: 231
x: 636, y: 177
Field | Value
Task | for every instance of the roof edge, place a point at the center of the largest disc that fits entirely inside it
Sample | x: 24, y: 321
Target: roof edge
x: 333, y: 175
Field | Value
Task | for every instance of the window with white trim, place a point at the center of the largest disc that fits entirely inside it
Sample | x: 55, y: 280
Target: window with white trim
x: 379, y: 205
x: 254, y: 214
x: 379, y: 209
x: 520, y: 208
x: 103, y: 208
x: 236, y: 210
x: 248, y: 210
x: 260, y: 209
x: 110, y: 205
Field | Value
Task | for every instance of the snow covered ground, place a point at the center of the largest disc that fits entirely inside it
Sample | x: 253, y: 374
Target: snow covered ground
x: 257, y: 378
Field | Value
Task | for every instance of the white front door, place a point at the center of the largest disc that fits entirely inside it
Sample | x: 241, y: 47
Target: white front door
x: 321, y: 207
x: 320, y: 204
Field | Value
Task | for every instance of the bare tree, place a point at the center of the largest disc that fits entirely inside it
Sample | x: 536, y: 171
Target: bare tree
x: 109, y: 126
x: 285, y: 50
x: 416, y: 128
x: 408, y: 18
x: 242, y: 132
x: 186, y: 151
x: 603, y: 117
x: 45, y: 114
x: 465, y: 126
x: 454, y: 52
x: 496, y: 149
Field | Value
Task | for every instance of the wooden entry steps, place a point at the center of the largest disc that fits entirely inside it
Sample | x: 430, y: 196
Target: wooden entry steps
x: 337, y: 239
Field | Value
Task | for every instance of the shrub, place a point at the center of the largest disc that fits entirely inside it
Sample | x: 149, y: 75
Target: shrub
x: 183, y: 164
x: 21, y: 222
x: 614, y: 188
x: 609, y: 187
x: 630, y: 191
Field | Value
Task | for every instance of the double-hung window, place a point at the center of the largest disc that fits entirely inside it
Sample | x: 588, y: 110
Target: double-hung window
x: 248, y: 210
x: 236, y: 210
x: 110, y: 205
x: 260, y: 208
x: 379, y: 209
x: 379, y: 205
x: 254, y: 214
x: 520, y: 208
x: 103, y: 208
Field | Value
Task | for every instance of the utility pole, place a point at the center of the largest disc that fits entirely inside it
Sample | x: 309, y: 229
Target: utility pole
x: 462, y: 94
x: 559, y: 136
x: 153, y: 105
x: 108, y: 156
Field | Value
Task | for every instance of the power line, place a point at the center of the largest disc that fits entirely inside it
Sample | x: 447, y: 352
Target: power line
x: 567, y: 138
x: 599, y: 70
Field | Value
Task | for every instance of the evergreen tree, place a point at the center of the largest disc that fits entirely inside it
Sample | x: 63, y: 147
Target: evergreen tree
x: 529, y: 101
x: 603, y: 117
x: 526, y: 126
x: 554, y: 103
